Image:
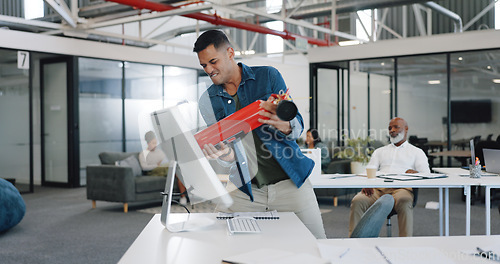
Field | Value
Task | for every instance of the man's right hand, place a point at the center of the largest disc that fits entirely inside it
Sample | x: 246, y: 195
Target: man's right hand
x: 367, y: 191
x: 211, y: 152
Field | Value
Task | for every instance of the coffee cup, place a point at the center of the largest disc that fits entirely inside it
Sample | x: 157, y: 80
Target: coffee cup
x: 371, y: 172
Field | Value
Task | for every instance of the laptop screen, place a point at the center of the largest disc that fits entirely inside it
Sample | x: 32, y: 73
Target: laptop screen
x: 492, y: 160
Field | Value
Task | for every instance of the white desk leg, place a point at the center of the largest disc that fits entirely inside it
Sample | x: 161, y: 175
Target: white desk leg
x: 440, y: 211
x: 447, y: 211
x: 488, y: 212
x: 467, y: 210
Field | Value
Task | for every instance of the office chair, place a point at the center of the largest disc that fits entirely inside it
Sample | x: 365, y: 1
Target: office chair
x: 372, y: 220
x: 490, y: 136
x: 393, y: 212
x: 498, y: 139
x: 479, y: 146
x: 477, y: 139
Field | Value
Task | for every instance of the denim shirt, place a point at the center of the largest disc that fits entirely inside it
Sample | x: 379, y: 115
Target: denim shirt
x: 258, y: 83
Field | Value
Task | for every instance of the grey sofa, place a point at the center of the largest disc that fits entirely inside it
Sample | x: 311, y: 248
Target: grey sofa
x: 112, y: 183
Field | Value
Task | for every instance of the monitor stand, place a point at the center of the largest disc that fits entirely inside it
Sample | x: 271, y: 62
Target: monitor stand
x: 190, y: 222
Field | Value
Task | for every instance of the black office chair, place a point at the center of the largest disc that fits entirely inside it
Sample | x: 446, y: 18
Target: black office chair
x: 393, y: 212
x: 498, y: 139
x: 479, y: 146
x: 372, y: 220
x: 490, y: 136
x: 477, y: 139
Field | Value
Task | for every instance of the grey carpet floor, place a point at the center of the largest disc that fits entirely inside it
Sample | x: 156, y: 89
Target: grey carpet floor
x: 60, y: 226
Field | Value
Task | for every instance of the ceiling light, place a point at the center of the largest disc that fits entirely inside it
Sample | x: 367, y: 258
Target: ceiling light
x: 496, y: 80
x: 488, y: 67
x: 349, y: 43
x: 460, y: 58
x: 434, y: 82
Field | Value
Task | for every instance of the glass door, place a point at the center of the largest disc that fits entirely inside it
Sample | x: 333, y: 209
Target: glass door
x: 57, y: 135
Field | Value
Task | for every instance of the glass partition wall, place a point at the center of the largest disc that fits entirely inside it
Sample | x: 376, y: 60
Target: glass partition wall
x: 447, y: 99
x: 111, y: 109
x: 15, y: 140
x: 116, y: 100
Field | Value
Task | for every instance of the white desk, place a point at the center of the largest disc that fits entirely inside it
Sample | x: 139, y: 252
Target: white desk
x: 489, y: 182
x: 155, y: 244
x: 325, y: 181
x: 457, y: 249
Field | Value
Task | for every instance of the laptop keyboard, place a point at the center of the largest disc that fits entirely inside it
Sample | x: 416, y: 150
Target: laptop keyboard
x: 243, y: 225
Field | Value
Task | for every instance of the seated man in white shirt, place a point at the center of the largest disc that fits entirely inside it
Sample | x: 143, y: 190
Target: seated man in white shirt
x: 397, y: 157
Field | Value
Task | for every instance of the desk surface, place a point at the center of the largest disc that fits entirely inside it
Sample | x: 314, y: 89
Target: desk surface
x: 155, y: 244
x: 455, y: 249
x: 326, y: 181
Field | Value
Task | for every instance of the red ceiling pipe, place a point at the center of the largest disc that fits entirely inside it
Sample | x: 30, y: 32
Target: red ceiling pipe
x: 217, y: 20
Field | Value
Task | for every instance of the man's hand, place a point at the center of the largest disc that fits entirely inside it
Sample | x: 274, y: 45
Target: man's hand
x: 270, y: 107
x: 367, y: 191
x: 411, y: 171
x: 224, y: 153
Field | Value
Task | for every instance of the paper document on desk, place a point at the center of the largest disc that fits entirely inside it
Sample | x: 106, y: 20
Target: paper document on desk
x: 402, y: 177
x: 417, y: 255
x: 346, y: 255
x: 379, y: 173
x: 274, y: 256
x: 340, y: 175
x: 428, y: 175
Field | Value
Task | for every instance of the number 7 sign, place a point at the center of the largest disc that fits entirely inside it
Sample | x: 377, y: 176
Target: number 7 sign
x: 23, y: 60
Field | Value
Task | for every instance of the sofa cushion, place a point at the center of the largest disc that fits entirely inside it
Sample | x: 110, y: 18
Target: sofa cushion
x: 132, y: 162
x: 12, y: 206
x: 110, y: 158
x: 146, y: 184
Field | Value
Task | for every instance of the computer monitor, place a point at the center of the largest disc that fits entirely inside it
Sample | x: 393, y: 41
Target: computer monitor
x: 174, y: 127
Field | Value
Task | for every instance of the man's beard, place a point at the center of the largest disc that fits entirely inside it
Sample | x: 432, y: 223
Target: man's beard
x: 397, y: 138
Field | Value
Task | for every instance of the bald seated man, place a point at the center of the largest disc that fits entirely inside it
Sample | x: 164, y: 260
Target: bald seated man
x: 397, y: 157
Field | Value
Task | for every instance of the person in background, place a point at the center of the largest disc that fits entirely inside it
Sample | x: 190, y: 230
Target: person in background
x: 397, y: 157
x: 281, y: 180
x: 314, y: 141
x: 151, y: 159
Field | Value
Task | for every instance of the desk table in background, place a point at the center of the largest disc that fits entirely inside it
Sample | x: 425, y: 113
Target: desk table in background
x: 443, y: 184
x: 462, y: 155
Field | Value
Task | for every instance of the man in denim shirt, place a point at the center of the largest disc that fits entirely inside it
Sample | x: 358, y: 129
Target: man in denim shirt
x: 280, y: 181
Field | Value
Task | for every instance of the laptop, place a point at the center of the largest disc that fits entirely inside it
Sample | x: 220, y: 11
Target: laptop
x: 492, y: 160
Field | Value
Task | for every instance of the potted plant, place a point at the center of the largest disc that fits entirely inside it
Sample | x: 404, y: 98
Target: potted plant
x: 358, y: 151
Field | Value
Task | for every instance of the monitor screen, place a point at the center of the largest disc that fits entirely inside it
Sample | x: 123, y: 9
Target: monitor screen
x: 174, y: 127
x: 472, y: 111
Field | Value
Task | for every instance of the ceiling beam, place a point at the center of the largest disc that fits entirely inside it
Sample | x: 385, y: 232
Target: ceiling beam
x: 63, y: 10
x: 33, y: 23
x: 217, y: 20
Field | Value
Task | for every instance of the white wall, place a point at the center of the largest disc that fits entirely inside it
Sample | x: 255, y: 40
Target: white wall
x: 471, y: 40
x: 67, y: 46
x: 295, y: 72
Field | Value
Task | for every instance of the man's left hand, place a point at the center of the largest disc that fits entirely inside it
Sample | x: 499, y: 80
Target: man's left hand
x: 411, y: 171
x: 270, y: 112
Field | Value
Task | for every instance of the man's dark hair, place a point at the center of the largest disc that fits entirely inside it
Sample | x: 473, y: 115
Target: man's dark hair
x: 215, y: 37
